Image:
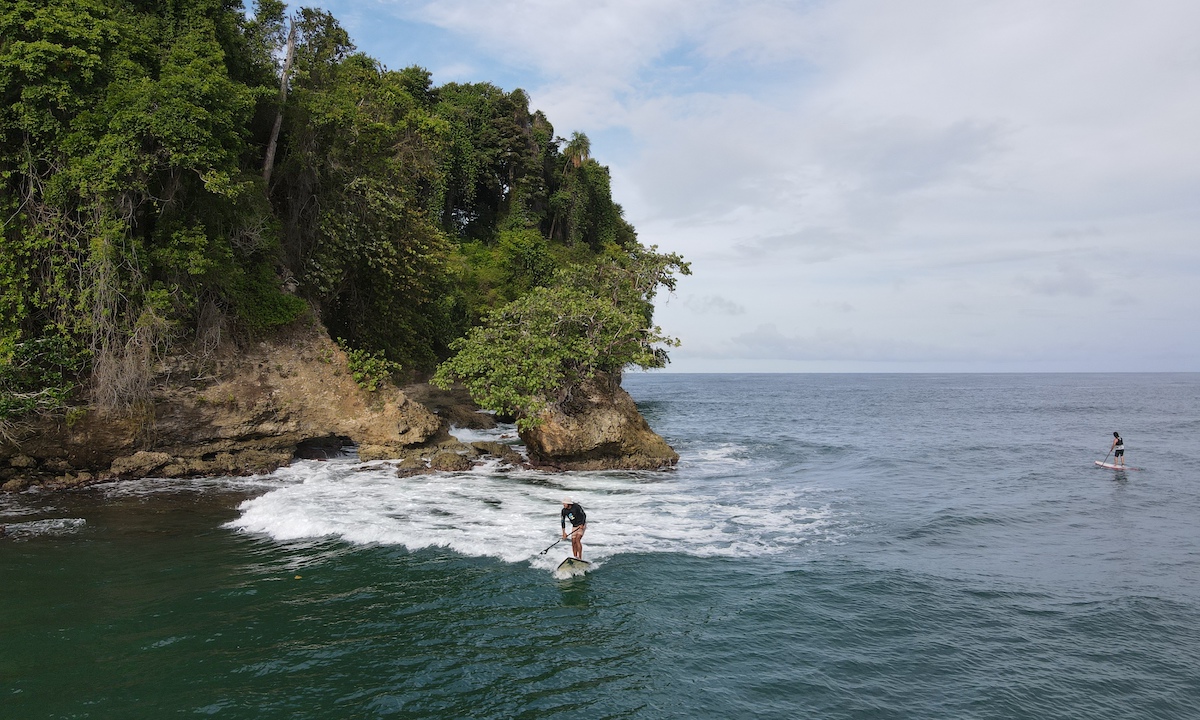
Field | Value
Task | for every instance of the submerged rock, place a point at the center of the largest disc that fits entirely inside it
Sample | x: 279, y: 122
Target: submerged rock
x: 598, y: 428
x: 504, y: 453
x: 449, y: 461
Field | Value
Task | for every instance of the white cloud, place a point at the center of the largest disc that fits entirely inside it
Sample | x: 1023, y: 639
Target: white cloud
x: 590, y: 42
x: 1067, y: 280
x: 713, y: 305
x: 768, y: 342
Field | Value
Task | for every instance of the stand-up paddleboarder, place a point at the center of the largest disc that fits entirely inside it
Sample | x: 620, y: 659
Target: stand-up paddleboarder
x: 573, y: 511
x: 1118, y: 449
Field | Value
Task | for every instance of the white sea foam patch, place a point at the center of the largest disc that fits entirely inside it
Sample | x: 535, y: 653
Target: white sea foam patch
x: 14, y: 505
x: 505, y: 433
x: 717, y: 460
x: 155, y: 486
x: 49, y: 526
x: 514, y: 515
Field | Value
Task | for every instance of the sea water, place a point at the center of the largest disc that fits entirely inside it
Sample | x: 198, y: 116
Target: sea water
x: 829, y: 546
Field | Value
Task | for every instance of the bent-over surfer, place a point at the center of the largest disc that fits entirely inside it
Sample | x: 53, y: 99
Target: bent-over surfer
x: 573, y: 511
x: 1118, y: 449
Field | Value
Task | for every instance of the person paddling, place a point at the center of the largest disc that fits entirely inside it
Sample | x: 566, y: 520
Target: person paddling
x: 1118, y: 449
x: 573, y: 511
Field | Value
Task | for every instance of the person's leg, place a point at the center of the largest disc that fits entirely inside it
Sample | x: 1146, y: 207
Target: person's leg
x: 577, y: 542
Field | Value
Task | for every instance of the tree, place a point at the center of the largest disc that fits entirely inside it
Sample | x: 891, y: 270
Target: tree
x: 536, y: 350
x: 492, y: 165
x: 355, y: 184
x: 156, y: 190
x: 578, y: 150
x: 126, y: 200
x: 284, y: 77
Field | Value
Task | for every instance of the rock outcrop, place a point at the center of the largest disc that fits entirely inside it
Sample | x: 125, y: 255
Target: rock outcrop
x: 599, y: 428
x: 253, y: 409
x: 247, y: 411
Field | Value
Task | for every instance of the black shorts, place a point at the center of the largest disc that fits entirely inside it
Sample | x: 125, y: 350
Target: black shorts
x: 1119, y: 453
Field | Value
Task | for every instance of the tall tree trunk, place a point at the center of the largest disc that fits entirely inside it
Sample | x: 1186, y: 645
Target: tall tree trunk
x: 269, y: 163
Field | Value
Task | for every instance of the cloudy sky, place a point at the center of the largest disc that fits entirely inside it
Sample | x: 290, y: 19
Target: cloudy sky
x: 872, y: 185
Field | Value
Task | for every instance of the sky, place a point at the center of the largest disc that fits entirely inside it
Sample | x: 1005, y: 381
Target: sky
x: 872, y: 185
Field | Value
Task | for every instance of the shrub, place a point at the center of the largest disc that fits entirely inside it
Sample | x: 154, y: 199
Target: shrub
x: 369, y: 370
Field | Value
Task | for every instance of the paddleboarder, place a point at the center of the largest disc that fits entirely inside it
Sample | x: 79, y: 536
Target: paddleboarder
x: 573, y: 511
x: 1118, y: 449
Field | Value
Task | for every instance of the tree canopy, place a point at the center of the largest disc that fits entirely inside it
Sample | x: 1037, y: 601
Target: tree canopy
x: 137, y: 217
x: 590, y: 319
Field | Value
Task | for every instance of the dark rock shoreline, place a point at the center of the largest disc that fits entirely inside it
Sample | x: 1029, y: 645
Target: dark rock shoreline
x: 254, y: 409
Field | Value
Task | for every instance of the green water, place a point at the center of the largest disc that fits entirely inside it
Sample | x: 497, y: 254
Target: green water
x: 154, y: 610
x: 880, y: 553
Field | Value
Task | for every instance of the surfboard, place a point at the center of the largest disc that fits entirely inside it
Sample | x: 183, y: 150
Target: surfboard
x: 573, y: 565
x: 1110, y: 466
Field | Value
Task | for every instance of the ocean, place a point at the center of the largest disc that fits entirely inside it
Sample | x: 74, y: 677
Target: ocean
x: 829, y: 546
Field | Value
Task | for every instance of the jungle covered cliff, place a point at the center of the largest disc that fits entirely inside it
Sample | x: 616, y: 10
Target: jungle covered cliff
x: 182, y: 183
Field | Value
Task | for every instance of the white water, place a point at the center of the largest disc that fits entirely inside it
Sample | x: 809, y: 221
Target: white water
x: 50, y: 526
x: 709, y: 506
x: 13, y: 507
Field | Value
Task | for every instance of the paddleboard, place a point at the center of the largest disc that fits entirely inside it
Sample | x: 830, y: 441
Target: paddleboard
x: 573, y: 565
x: 1110, y: 466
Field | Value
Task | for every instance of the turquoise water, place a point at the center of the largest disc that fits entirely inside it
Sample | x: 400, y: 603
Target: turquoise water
x: 831, y: 546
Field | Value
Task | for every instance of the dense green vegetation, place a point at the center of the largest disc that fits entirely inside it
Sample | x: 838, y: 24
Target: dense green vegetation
x: 143, y: 211
x: 589, y: 319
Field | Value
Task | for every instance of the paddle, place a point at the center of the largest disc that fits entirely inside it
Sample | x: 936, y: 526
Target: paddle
x: 1105, y: 460
x: 556, y: 542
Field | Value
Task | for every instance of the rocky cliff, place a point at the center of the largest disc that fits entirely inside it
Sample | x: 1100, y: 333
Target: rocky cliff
x: 256, y: 407
x: 248, y: 409
x: 598, y: 428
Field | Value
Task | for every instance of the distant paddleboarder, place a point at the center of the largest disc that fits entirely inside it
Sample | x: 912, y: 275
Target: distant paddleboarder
x: 573, y: 511
x: 1118, y: 449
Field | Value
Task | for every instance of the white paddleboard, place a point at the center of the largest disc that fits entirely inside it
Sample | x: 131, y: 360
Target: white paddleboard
x: 1110, y: 466
x: 573, y: 566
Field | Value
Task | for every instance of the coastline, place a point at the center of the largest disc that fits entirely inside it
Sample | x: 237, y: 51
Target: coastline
x: 255, y: 408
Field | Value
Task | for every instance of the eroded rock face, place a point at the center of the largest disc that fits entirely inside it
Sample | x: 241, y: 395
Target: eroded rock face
x: 599, y: 428
x: 257, y: 408
x: 245, y: 412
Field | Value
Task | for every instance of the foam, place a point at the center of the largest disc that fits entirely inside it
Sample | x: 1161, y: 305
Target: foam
x: 713, y: 506
x: 14, y: 504
x: 717, y: 459
x: 503, y: 432
x: 48, y: 526
x: 568, y: 573
x: 139, y: 487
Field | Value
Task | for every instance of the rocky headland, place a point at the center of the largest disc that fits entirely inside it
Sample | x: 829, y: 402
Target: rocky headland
x: 598, y: 428
x: 256, y: 407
